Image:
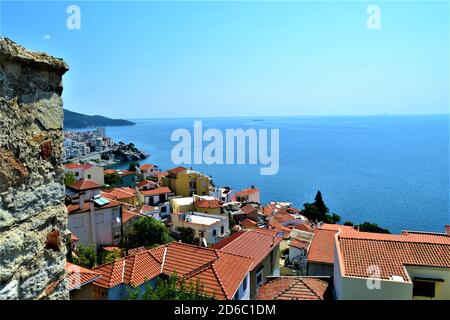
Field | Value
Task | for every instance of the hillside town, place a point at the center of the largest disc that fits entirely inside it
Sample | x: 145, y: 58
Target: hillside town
x: 95, y: 147
x: 146, y: 224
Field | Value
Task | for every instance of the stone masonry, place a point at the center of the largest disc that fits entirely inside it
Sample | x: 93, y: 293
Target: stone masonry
x: 33, y: 217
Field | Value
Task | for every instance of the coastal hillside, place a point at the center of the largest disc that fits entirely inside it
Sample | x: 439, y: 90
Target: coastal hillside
x: 74, y: 120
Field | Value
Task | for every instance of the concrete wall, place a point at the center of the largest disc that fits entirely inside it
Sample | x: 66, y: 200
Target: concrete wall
x: 270, y: 267
x: 319, y: 269
x: 33, y: 217
x: 243, y: 293
x: 442, y: 289
x: 105, y: 227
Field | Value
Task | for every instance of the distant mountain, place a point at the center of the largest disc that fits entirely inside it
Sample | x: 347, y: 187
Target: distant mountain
x: 74, y: 120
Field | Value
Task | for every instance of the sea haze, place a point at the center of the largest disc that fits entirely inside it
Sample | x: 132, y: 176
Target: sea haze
x: 391, y: 170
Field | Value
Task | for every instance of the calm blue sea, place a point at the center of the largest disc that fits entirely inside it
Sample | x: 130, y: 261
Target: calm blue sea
x: 391, y: 170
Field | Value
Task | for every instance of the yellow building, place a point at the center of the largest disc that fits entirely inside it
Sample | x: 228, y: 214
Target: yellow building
x: 184, y: 182
x: 203, y: 204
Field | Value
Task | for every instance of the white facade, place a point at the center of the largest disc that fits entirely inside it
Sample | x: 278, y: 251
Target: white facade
x: 212, y: 228
x: 96, y: 227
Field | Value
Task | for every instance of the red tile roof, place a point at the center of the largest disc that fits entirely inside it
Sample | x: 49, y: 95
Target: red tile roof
x: 78, y: 166
x: 207, y: 204
x: 109, y: 171
x: 335, y: 227
x: 78, y: 276
x: 145, y: 182
x: 299, y: 244
x: 128, y: 215
x: 391, y: 252
x: 75, y: 207
x: 177, y: 170
x: 246, y: 192
x: 256, y: 244
x: 147, y: 166
x: 248, y: 224
x: 247, y: 209
x: 303, y: 227
x: 267, y: 211
x: 293, y: 288
x: 82, y: 184
x: 220, y: 273
x: 119, y: 193
x: 321, y: 249
x: 156, y: 191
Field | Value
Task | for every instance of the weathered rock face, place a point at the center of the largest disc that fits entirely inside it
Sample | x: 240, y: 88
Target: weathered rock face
x: 33, y: 217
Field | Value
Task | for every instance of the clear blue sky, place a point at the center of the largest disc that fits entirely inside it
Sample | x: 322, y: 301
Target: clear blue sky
x: 203, y: 59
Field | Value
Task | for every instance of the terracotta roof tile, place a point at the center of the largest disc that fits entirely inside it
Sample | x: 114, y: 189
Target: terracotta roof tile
x: 207, y: 204
x: 220, y: 273
x: 293, y: 288
x: 391, y: 252
x: 321, y: 249
x: 299, y: 244
x: 78, y: 276
x: 119, y: 193
x: 147, y: 166
x: 256, y: 244
x: 247, y: 209
x: 84, y: 185
x: 156, y: 191
x: 246, y: 192
x: 248, y: 223
x: 177, y: 170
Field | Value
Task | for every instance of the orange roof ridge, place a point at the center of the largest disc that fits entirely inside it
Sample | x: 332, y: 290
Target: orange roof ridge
x: 310, y: 288
x: 216, y: 274
x: 294, y: 282
x: 405, y: 238
x: 194, y: 246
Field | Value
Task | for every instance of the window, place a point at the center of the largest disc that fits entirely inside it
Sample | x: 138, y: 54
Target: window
x: 214, y: 232
x: 245, y: 284
x: 222, y: 230
x: 259, y: 276
x: 77, y: 173
x: 89, y: 176
x: 424, y: 288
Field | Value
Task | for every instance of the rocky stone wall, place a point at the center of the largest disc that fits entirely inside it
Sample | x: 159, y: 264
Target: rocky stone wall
x: 33, y: 217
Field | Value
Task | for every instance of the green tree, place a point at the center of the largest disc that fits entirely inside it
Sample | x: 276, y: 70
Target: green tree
x: 348, y: 223
x: 187, y: 235
x: 108, y: 256
x: 133, y: 166
x: 320, y: 204
x: 148, y: 231
x: 69, y: 178
x: 318, y: 211
x: 85, y: 257
x: 372, y: 227
x: 311, y: 212
x: 334, y: 218
x: 112, y: 179
x: 172, y: 288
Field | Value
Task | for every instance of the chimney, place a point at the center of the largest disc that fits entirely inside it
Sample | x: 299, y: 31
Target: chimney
x: 447, y: 229
x: 81, y: 200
